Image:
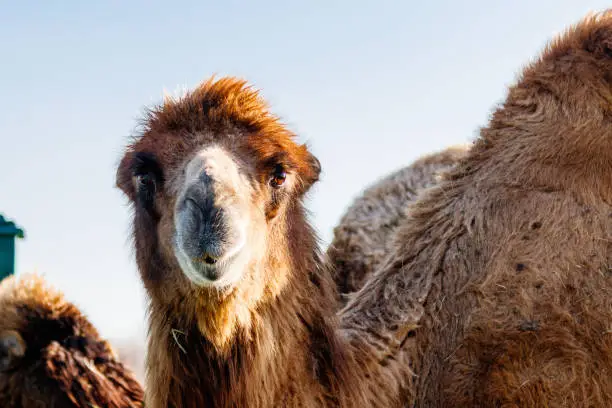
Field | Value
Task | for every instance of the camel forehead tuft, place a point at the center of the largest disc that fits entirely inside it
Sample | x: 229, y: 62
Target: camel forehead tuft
x: 215, y: 105
x: 27, y: 301
x: 29, y: 289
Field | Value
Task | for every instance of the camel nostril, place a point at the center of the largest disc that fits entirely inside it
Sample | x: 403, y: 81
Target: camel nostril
x: 210, y: 260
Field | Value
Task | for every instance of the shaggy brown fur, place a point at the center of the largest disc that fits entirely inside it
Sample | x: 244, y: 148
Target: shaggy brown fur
x: 269, y: 341
x: 52, y: 357
x: 503, y: 269
x: 364, y: 236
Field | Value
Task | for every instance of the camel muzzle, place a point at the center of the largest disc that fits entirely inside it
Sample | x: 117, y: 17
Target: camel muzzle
x: 202, y: 229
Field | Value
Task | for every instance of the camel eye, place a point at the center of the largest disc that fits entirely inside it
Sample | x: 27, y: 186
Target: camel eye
x: 145, y: 181
x: 145, y: 188
x: 146, y: 172
x: 278, y: 176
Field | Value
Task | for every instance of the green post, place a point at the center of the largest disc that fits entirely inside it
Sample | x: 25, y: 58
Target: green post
x: 8, y: 233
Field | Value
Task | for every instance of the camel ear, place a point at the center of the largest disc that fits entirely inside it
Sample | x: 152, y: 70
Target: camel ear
x: 314, y: 171
x: 12, y: 349
x: 123, y: 176
x: 316, y: 167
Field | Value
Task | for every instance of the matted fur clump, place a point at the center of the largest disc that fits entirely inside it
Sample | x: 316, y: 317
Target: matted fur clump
x: 51, y: 356
x: 503, y: 268
x: 363, y: 237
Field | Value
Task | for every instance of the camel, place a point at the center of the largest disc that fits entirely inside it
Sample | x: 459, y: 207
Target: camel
x: 242, y: 309
x: 502, y: 269
x: 364, y: 236
x: 51, y: 356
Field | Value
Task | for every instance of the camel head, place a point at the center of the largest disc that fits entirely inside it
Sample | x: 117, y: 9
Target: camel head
x: 32, y: 318
x: 52, y: 356
x: 212, y: 179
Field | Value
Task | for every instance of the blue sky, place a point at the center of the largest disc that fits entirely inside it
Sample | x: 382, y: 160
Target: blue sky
x: 370, y: 85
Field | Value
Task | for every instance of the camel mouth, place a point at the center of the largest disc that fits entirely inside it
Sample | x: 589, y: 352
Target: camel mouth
x: 213, y: 267
x: 219, y: 269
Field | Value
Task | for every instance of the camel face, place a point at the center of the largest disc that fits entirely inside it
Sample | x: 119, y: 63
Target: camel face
x: 216, y: 207
x: 211, y: 179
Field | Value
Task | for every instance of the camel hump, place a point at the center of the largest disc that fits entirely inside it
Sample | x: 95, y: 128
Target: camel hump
x: 574, y: 70
x: 593, y: 34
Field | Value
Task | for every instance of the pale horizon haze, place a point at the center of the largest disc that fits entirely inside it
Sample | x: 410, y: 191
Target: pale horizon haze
x: 371, y: 86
